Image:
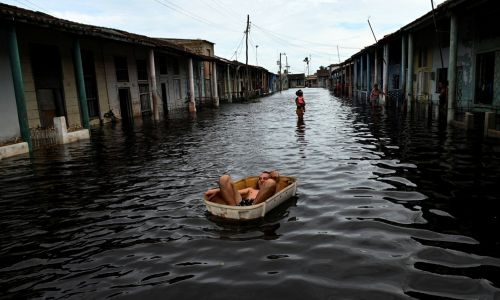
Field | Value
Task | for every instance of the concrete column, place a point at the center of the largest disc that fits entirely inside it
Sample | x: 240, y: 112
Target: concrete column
x: 229, y: 86
x: 17, y: 78
x: 385, y: 72
x: 202, y: 81
x: 192, y: 104
x: 489, y: 121
x: 60, y: 129
x: 215, y: 93
x: 452, y: 68
x: 409, y: 75
x: 154, y: 92
x: 65, y: 137
x: 350, y: 80
x: 238, y: 83
x: 403, y: 67
x: 355, y: 79
x: 361, y: 72
x: 368, y: 77
x: 80, y: 84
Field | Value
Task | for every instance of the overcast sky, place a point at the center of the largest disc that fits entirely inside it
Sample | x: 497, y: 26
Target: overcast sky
x: 325, y: 31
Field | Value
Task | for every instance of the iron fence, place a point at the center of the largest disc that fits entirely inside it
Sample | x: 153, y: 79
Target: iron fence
x: 43, y: 137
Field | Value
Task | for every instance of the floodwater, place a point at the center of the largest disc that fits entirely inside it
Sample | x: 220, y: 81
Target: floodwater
x: 389, y: 206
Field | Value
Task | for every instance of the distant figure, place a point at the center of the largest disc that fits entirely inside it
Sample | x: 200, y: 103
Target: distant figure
x: 443, y: 97
x: 301, y: 104
x: 375, y: 94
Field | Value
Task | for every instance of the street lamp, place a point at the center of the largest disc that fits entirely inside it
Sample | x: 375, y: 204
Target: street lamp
x: 256, y: 58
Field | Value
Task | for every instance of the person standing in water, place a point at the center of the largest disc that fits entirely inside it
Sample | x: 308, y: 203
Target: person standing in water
x: 300, y: 103
x: 375, y: 94
x: 443, y: 98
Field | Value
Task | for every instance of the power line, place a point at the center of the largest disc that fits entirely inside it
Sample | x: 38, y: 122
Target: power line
x: 287, y: 39
x: 238, y: 47
x: 31, y: 5
x: 227, y: 11
x: 284, y: 42
x: 180, y: 10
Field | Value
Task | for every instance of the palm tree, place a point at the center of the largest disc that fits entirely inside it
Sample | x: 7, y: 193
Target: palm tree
x: 306, y: 60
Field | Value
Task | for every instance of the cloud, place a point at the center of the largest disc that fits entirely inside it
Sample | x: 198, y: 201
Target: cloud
x: 325, y: 30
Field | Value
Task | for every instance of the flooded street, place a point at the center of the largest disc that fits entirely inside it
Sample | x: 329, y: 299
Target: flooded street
x: 388, y: 206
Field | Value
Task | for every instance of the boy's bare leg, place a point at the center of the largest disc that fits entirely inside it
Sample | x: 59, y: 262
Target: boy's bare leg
x: 228, y: 190
x: 267, y: 189
x: 275, y: 175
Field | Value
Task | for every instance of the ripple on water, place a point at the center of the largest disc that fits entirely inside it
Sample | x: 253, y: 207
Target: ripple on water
x: 388, y: 207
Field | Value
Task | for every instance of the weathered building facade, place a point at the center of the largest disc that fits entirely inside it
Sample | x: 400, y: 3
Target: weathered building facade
x: 297, y: 80
x: 457, y: 42
x: 55, y: 72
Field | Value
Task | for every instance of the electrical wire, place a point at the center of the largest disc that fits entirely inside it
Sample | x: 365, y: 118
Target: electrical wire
x: 223, y: 10
x: 180, y: 10
x: 281, y: 41
x: 32, y: 5
x: 238, y: 47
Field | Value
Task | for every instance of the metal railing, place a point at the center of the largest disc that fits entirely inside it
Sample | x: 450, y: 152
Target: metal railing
x: 43, y: 137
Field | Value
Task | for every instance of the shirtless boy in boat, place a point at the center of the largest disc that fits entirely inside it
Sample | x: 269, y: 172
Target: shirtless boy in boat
x: 265, y: 188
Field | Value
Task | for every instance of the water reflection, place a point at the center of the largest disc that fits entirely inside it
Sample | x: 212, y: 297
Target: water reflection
x: 389, y: 206
x: 301, y: 136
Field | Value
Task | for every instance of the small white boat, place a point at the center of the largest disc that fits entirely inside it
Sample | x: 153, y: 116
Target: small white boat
x: 287, y: 188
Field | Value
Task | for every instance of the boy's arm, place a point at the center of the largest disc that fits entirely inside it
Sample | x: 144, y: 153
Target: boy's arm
x: 244, y: 193
x: 209, y: 194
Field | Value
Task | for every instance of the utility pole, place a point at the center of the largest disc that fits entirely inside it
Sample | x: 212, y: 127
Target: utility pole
x: 246, y: 38
x: 286, y: 66
x: 308, y: 65
x: 281, y: 81
x: 247, y: 81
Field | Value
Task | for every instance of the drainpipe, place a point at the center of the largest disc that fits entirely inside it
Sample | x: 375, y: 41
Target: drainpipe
x: 192, y: 104
x: 80, y: 84
x: 452, y: 68
x: 154, y: 92
x: 17, y: 78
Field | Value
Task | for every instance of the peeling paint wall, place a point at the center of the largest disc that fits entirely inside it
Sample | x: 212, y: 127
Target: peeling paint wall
x: 28, y: 39
x: 97, y: 49
x: 496, y: 85
x: 8, y: 110
x: 465, y: 64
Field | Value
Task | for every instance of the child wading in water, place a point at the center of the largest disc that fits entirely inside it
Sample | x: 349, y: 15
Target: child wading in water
x: 301, y: 104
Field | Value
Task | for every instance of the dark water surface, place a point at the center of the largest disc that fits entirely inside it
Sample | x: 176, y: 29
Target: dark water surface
x: 389, y: 206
